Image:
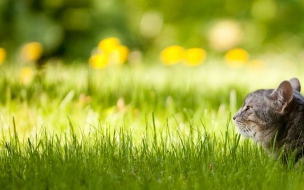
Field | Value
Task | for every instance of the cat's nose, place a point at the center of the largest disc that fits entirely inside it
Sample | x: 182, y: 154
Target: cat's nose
x: 234, y: 118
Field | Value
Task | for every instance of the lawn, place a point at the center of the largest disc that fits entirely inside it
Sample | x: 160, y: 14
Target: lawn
x: 135, y: 127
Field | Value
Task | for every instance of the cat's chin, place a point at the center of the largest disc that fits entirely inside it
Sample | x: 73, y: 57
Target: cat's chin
x: 244, y: 133
x: 243, y: 129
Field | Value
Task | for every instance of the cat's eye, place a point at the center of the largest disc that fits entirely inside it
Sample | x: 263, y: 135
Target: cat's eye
x: 247, y: 108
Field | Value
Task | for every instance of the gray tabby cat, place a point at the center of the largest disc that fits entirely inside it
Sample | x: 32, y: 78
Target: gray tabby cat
x: 274, y: 118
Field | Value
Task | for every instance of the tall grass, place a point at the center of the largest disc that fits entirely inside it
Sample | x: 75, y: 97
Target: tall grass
x: 111, y: 158
x: 143, y: 127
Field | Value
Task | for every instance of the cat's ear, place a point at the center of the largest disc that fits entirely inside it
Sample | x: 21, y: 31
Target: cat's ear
x: 282, y: 96
x: 295, y: 83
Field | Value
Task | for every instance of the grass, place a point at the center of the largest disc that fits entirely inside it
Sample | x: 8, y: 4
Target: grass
x: 139, y: 127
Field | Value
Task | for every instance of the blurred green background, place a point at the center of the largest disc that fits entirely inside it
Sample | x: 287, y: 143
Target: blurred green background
x: 71, y: 29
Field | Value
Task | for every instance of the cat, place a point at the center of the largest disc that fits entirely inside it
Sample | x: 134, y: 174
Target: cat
x: 274, y: 118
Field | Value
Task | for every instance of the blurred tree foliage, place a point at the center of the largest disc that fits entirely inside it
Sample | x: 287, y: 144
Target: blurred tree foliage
x: 72, y: 28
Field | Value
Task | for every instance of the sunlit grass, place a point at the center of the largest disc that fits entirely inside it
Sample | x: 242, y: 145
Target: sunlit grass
x: 134, y: 127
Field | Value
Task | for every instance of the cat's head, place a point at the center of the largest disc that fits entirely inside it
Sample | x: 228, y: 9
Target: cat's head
x: 263, y: 111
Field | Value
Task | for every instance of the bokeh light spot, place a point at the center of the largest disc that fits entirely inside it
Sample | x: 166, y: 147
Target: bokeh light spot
x: 264, y: 9
x: 26, y: 76
x: 225, y: 35
x: 135, y: 57
x: 151, y: 24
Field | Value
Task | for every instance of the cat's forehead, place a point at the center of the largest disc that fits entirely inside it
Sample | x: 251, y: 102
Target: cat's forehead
x: 258, y: 97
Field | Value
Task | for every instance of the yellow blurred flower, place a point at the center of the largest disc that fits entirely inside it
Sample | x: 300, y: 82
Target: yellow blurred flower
x: 2, y: 55
x: 194, y: 56
x: 172, y: 55
x: 108, y: 45
x: 236, y: 57
x: 99, y: 61
x: 120, y: 54
x: 26, y: 76
x: 32, y: 51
